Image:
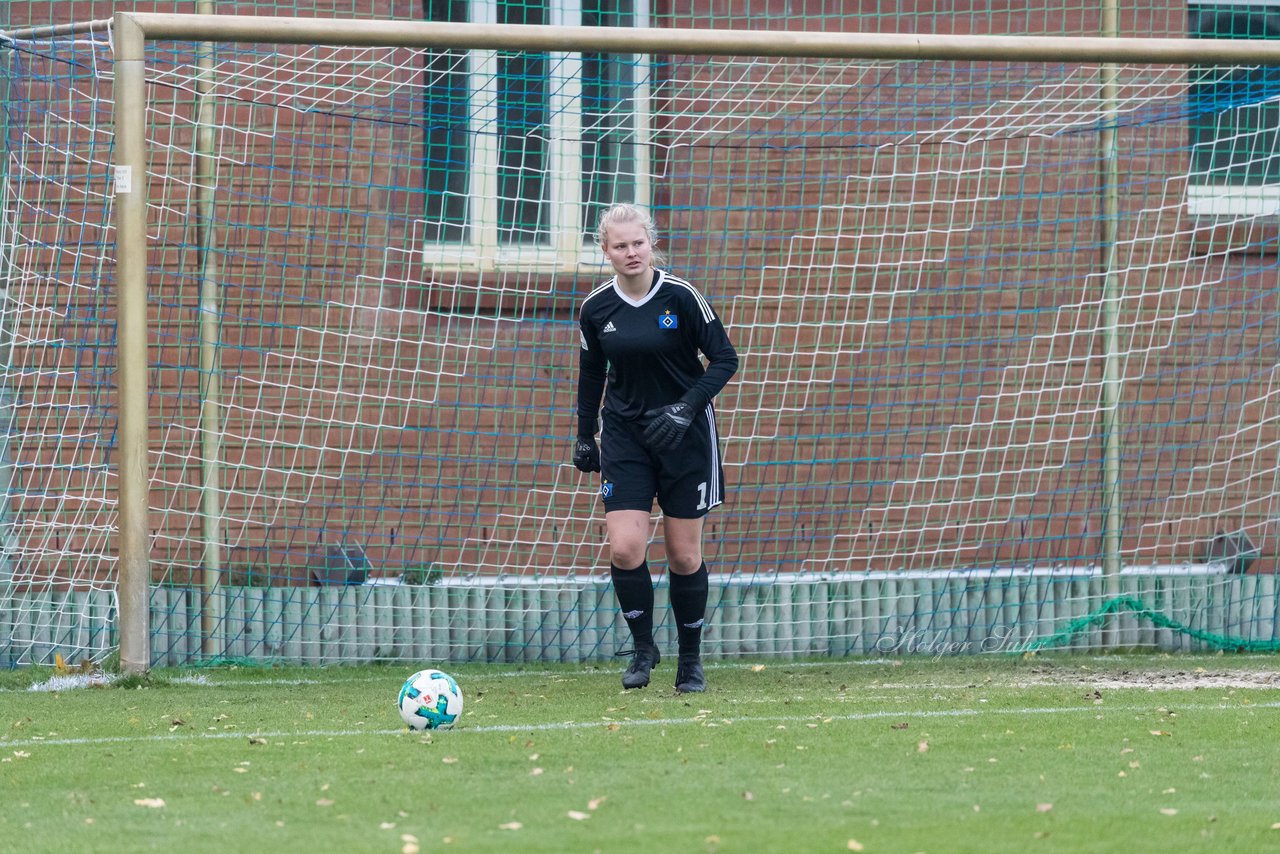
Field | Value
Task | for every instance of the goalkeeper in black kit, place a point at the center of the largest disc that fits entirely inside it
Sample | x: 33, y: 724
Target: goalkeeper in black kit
x: 642, y: 331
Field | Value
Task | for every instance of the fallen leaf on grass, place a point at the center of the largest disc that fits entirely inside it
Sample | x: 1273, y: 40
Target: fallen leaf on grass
x: 1160, y: 732
x: 511, y: 825
x: 902, y: 725
x: 922, y: 747
x: 153, y: 803
x: 579, y: 816
x: 854, y: 845
x: 1043, y: 807
x: 595, y: 803
x: 1168, y: 811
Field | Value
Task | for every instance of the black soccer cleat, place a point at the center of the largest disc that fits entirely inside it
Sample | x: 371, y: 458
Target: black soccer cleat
x: 644, y: 659
x: 689, y: 676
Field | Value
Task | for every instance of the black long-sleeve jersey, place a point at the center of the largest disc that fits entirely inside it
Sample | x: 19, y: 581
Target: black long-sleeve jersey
x: 648, y: 348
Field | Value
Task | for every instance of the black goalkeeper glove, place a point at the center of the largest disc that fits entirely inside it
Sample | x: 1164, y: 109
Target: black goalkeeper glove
x: 667, y: 425
x: 586, y: 454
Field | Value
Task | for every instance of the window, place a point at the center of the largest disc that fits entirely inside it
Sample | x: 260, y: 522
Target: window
x: 1235, y: 116
x: 522, y: 150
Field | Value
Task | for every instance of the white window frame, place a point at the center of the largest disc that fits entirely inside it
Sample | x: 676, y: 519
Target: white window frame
x: 571, y: 245
x: 1233, y: 200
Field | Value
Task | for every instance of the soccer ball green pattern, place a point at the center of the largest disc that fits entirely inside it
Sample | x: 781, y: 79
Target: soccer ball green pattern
x: 430, y: 699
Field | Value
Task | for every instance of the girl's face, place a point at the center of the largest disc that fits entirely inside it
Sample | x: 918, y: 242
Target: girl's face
x: 627, y: 247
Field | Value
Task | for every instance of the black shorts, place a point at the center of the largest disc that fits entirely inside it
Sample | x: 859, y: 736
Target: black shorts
x: 687, y: 480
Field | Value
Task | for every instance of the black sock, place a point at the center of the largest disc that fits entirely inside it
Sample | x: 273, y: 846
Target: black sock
x: 634, y: 589
x: 689, y: 605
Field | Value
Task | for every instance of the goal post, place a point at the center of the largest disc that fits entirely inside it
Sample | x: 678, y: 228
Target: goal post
x: 129, y: 182
x: 1005, y: 378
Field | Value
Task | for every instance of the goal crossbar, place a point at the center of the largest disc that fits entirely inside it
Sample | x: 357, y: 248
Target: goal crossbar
x: 268, y: 29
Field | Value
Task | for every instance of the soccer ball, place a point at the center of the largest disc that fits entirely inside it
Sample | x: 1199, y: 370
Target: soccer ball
x: 430, y: 699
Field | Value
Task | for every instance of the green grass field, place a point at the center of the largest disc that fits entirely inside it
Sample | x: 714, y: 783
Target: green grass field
x: 1051, y: 753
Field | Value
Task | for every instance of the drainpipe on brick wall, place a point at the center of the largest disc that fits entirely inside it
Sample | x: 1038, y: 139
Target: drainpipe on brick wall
x: 210, y: 338
x: 1109, y: 188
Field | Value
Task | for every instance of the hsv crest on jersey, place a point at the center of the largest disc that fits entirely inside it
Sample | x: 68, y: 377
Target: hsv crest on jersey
x: 668, y: 321
x: 606, y: 489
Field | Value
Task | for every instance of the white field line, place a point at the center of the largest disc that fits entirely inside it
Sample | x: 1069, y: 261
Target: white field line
x: 1150, y: 680
x: 64, y: 683
x: 566, y: 726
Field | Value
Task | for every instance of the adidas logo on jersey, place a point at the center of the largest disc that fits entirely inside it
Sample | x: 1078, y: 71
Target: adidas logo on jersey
x: 608, y: 327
